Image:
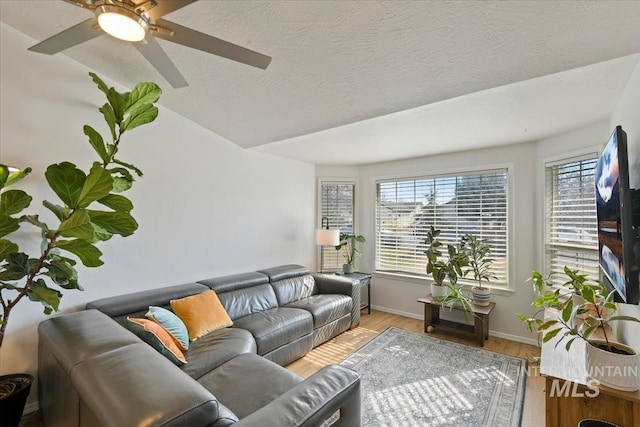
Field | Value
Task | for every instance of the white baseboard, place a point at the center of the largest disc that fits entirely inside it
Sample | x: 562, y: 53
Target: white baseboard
x: 30, y: 407
x: 493, y: 333
x: 398, y: 312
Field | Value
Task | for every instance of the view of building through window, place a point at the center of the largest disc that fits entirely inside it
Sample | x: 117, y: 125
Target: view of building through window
x: 337, y: 205
x: 571, y: 236
x: 456, y: 205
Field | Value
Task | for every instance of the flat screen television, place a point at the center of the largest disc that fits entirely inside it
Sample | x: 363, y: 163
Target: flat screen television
x: 617, y: 234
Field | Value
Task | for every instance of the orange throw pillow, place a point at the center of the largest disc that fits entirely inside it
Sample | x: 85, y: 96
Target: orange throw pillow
x: 201, y: 313
x: 157, y: 337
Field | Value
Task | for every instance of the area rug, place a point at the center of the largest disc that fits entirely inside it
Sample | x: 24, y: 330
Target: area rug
x: 410, y: 379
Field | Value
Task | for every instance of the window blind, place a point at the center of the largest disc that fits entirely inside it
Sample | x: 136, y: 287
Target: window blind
x: 474, y: 203
x: 337, y: 204
x: 571, y: 235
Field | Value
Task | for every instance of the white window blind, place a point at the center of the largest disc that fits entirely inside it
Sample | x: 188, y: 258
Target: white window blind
x: 337, y: 205
x: 571, y: 235
x: 474, y: 203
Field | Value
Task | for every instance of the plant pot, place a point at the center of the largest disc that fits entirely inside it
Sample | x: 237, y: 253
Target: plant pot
x: 439, y: 290
x: 14, y: 390
x: 347, y: 268
x: 618, y: 370
x: 481, y: 296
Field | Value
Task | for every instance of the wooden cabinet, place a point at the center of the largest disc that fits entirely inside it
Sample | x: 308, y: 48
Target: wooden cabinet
x: 570, y: 395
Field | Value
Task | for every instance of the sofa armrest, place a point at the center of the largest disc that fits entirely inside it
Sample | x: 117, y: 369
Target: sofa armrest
x: 312, y: 402
x: 328, y: 284
x: 333, y: 284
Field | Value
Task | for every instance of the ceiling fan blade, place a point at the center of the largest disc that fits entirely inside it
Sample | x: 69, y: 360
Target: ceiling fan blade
x: 159, y: 59
x: 197, y: 40
x: 164, y: 7
x: 79, y: 33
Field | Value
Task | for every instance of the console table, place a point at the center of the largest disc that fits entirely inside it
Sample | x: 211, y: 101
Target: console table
x: 479, y: 329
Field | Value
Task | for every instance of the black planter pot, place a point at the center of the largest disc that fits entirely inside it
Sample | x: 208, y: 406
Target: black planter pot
x: 14, y: 390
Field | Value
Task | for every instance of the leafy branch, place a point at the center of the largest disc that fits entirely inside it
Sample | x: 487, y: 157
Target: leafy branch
x: 91, y: 210
x: 348, y: 246
x: 567, y: 320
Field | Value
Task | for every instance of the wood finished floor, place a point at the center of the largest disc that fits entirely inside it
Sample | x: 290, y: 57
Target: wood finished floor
x: 337, y: 349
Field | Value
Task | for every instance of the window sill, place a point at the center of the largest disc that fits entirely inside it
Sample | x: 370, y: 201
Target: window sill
x: 496, y: 290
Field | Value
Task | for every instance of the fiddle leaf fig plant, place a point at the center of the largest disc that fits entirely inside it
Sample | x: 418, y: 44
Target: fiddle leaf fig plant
x: 440, y: 269
x: 91, y: 208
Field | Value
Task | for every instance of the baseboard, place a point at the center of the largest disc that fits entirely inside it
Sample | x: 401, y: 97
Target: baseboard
x: 515, y: 338
x: 30, y: 407
x: 493, y: 333
x: 398, y: 312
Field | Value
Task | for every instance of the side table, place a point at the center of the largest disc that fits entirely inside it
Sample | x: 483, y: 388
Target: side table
x: 480, y: 328
x: 364, y: 280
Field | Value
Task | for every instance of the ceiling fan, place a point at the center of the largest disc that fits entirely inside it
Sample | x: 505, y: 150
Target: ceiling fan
x: 139, y: 22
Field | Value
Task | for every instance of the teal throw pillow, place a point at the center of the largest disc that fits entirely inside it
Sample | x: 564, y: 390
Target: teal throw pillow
x: 171, y: 323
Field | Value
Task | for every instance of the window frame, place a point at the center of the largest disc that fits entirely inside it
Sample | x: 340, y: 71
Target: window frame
x: 587, y: 153
x: 319, y: 213
x: 504, y: 289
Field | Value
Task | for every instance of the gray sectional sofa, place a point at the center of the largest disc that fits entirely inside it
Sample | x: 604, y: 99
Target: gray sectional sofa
x: 94, y: 372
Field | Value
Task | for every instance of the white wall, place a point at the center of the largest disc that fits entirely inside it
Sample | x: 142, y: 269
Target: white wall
x: 205, y: 206
x: 399, y: 294
x: 627, y: 114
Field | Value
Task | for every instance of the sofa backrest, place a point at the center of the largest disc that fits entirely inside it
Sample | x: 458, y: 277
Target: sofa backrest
x: 136, y: 304
x: 243, y: 294
x: 291, y: 283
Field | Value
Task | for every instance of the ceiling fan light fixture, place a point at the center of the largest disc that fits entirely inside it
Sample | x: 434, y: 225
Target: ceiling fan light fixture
x: 122, y: 23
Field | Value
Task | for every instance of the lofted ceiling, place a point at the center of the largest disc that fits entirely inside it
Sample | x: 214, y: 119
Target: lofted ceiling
x: 369, y: 81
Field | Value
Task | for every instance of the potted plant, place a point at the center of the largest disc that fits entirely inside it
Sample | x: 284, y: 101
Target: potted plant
x: 607, y: 361
x: 440, y: 269
x: 479, y: 263
x: 91, y: 209
x: 349, y: 251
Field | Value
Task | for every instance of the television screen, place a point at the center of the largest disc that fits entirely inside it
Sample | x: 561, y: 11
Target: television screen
x: 615, y: 233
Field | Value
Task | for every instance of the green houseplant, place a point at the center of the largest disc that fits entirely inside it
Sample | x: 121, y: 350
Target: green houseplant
x: 91, y: 210
x: 441, y: 269
x: 565, y: 321
x: 479, y: 263
x: 349, y: 250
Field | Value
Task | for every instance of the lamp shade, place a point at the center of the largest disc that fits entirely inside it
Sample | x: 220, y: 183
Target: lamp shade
x: 327, y: 237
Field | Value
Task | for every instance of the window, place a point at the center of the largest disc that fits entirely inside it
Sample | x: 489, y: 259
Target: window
x: 571, y: 236
x: 337, y: 202
x: 474, y: 203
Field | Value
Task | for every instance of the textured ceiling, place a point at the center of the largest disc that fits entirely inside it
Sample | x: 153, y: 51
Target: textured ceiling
x: 341, y: 62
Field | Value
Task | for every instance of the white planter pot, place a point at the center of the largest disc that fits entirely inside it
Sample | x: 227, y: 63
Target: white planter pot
x: 439, y: 291
x: 481, y: 296
x: 618, y: 371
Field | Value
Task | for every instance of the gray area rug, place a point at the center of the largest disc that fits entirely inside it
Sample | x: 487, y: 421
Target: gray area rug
x: 415, y: 380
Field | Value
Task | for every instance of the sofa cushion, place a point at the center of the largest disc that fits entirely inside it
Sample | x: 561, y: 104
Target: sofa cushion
x: 246, y: 301
x: 248, y: 382
x: 324, y: 308
x: 201, y: 313
x: 276, y: 327
x: 171, y: 323
x: 216, y: 348
x: 158, y: 338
